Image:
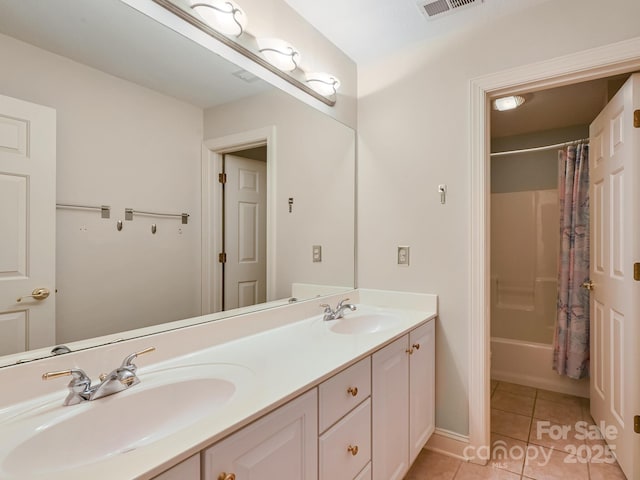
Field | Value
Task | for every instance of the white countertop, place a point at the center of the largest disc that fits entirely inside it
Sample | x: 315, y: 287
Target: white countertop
x: 284, y: 361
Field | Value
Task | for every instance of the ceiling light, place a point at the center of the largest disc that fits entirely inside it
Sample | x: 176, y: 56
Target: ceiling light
x: 224, y: 15
x: 508, y: 103
x: 279, y: 53
x: 323, y: 83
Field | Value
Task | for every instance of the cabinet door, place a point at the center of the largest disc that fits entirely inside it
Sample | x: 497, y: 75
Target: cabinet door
x: 421, y: 387
x: 390, y: 390
x: 281, y: 445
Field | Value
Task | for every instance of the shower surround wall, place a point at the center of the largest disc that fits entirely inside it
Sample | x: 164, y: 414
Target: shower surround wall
x: 524, y: 256
x: 524, y: 251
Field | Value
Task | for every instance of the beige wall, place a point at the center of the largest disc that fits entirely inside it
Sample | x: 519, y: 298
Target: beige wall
x: 121, y: 145
x: 413, y: 125
x: 315, y: 164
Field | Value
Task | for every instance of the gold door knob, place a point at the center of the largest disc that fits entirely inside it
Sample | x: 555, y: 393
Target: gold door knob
x: 227, y: 476
x: 588, y: 285
x: 352, y: 449
x: 409, y: 351
x: 416, y: 346
x: 37, y: 294
x: 353, y: 391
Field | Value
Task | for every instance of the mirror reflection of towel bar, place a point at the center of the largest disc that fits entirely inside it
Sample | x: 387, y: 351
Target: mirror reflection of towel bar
x: 129, y: 212
x: 104, y: 209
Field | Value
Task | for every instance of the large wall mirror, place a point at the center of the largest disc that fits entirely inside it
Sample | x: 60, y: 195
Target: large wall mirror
x: 146, y: 120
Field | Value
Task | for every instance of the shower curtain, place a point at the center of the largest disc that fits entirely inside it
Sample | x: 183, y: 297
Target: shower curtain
x: 571, y: 339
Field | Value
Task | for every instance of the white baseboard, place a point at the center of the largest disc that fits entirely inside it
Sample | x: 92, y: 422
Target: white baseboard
x: 448, y: 443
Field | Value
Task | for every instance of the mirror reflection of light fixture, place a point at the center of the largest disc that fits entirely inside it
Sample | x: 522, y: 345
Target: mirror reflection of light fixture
x: 279, y: 53
x: 224, y: 15
x: 508, y: 103
x: 277, y: 56
x: 323, y: 83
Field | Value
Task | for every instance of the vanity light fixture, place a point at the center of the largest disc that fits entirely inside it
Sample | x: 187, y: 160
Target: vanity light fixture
x: 223, y: 15
x: 508, y: 103
x: 279, y: 53
x: 323, y: 83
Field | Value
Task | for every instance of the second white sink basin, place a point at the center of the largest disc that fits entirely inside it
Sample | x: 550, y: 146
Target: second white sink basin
x: 57, y: 437
x: 358, y: 323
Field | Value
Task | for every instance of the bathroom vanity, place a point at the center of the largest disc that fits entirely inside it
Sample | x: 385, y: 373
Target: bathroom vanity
x: 276, y: 394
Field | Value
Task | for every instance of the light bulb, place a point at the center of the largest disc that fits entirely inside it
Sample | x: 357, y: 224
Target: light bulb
x: 279, y: 53
x: 224, y: 16
x: 508, y: 103
x: 323, y: 83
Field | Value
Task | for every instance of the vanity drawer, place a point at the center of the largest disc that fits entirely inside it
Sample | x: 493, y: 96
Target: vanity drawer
x: 345, y: 449
x: 342, y: 392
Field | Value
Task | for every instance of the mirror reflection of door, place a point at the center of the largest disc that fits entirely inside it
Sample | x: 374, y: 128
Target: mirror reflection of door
x: 245, y: 228
x: 27, y: 225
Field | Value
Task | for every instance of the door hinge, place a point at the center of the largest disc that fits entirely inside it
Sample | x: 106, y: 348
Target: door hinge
x: 636, y: 118
x: 222, y: 257
x: 636, y: 424
x: 636, y: 272
x: 222, y: 178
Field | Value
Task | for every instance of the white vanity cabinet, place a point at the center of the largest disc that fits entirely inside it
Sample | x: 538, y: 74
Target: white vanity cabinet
x: 402, y: 401
x: 280, y: 445
x: 187, y: 470
x: 345, y: 423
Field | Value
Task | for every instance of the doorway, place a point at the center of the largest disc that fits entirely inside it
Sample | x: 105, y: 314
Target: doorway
x: 243, y: 228
x: 249, y: 161
x: 601, y: 62
x: 527, y: 395
x: 524, y: 232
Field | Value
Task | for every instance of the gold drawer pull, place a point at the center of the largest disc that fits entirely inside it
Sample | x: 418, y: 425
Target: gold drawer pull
x: 227, y: 476
x: 353, y: 450
x: 353, y: 391
x: 409, y: 351
x: 416, y: 346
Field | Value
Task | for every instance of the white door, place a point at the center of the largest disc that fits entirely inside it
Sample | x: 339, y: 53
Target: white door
x: 614, y: 170
x: 245, y: 272
x: 27, y: 224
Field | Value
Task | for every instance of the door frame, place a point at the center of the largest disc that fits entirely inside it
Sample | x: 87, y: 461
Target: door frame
x: 608, y: 60
x: 212, y: 152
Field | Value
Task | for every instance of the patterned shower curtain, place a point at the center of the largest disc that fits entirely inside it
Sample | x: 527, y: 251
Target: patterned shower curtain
x: 571, y: 339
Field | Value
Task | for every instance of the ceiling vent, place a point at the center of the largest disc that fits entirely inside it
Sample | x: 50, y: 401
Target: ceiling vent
x: 438, y: 8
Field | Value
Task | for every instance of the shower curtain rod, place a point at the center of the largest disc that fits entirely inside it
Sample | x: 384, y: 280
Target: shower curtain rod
x: 538, y: 149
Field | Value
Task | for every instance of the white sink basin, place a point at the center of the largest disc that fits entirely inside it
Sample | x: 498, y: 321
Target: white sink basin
x: 53, y: 438
x: 355, y: 323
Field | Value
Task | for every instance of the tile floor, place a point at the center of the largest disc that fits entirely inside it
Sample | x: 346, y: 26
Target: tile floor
x: 528, y: 442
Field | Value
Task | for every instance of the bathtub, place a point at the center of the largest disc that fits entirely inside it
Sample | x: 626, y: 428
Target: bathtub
x: 528, y: 363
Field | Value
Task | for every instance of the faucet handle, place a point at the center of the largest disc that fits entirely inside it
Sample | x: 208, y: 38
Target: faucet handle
x: 128, y: 361
x: 341, y: 302
x: 76, y: 373
x: 327, y: 307
x: 79, y: 383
